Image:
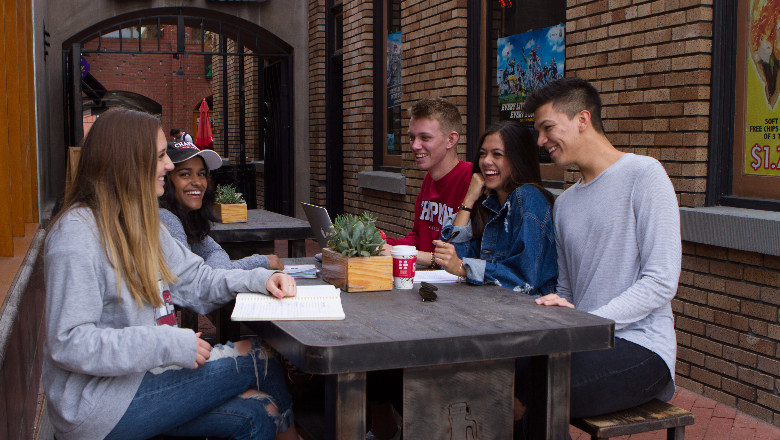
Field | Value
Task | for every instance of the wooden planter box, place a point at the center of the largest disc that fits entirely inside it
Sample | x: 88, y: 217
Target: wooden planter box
x: 357, y: 274
x: 235, y: 213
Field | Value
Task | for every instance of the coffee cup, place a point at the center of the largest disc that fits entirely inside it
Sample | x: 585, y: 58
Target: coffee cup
x: 404, y: 259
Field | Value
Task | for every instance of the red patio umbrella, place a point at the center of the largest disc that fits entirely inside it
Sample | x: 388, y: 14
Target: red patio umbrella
x: 205, y: 139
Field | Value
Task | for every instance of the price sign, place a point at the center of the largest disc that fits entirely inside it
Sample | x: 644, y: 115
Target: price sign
x: 762, y: 131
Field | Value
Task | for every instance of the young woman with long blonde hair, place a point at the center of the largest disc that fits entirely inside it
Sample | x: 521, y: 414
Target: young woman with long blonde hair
x: 116, y: 366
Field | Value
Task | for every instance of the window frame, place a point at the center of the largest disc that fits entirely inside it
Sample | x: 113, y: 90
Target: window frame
x: 382, y: 160
x: 723, y: 118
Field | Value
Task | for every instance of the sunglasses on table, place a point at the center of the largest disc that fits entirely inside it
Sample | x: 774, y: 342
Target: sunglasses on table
x: 428, y: 292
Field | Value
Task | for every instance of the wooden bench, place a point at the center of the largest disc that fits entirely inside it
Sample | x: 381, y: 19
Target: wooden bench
x: 651, y: 416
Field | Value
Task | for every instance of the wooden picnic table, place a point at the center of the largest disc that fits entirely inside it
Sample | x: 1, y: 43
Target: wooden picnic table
x: 457, y: 356
x: 257, y: 235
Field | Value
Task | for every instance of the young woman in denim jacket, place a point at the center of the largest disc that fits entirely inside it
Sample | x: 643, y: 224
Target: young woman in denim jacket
x: 503, y: 232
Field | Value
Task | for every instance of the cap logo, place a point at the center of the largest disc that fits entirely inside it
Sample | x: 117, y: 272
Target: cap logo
x: 184, y: 144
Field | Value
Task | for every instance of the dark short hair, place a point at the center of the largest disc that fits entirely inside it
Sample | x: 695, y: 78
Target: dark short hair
x: 521, y: 151
x: 570, y: 96
x: 197, y: 223
x: 175, y: 131
x: 440, y: 110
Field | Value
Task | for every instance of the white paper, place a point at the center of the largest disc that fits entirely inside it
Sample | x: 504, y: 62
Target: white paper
x: 312, y: 303
x: 434, y: 276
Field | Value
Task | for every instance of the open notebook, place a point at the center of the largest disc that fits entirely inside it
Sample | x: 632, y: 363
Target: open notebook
x: 312, y: 303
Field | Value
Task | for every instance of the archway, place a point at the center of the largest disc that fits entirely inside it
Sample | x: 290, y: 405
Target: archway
x: 168, y: 54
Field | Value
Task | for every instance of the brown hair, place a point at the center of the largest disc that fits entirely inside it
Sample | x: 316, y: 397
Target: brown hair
x: 570, y: 96
x: 523, y: 156
x: 440, y: 110
x: 116, y: 180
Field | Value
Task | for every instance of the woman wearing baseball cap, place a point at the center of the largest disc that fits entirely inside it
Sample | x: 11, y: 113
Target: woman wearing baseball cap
x: 187, y: 208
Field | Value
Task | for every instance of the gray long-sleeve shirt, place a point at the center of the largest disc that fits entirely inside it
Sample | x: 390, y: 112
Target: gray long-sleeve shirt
x: 208, y: 249
x: 619, y: 251
x: 100, y: 345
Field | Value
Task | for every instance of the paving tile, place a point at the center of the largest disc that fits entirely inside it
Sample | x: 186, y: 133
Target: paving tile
x: 740, y: 433
x: 719, y: 428
x: 724, y: 411
x: 765, y: 431
x: 743, y: 420
x: 684, y: 399
x: 704, y: 402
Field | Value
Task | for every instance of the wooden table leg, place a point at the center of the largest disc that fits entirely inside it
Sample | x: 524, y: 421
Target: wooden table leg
x: 349, y: 412
x: 296, y: 248
x: 550, y: 395
x: 461, y: 401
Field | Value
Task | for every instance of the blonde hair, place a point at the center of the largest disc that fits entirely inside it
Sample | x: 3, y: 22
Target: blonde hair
x: 116, y: 179
x: 440, y: 110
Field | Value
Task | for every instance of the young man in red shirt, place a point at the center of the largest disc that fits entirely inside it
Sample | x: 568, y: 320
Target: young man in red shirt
x: 434, y: 131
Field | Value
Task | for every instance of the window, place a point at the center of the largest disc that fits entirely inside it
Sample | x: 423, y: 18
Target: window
x: 744, y: 169
x: 526, y: 50
x: 388, y: 103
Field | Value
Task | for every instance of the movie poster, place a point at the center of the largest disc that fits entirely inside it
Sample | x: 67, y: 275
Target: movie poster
x: 762, y: 133
x: 527, y: 61
x: 394, y: 70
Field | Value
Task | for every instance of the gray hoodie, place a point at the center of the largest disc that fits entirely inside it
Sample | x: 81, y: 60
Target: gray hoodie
x: 99, y: 345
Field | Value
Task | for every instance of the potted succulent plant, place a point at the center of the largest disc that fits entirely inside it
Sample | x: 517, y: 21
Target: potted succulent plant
x: 352, y: 260
x: 230, y: 206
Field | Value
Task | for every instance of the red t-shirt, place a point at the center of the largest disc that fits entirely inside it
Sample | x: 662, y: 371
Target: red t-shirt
x: 436, y: 201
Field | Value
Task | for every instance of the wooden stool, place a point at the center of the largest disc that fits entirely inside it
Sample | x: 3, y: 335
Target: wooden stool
x: 651, y: 416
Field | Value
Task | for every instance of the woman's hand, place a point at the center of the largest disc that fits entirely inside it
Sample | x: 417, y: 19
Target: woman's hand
x: 281, y: 285
x: 446, y: 257
x: 386, y: 249
x: 553, y: 299
x: 203, y: 351
x: 475, y: 191
x: 274, y: 263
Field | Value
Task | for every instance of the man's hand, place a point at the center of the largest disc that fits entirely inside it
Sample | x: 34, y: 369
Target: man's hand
x: 446, y: 257
x: 281, y: 285
x: 553, y: 300
x: 274, y: 263
x: 203, y: 351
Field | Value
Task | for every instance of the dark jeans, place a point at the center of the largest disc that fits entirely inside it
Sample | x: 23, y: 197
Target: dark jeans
x: 605, y: 381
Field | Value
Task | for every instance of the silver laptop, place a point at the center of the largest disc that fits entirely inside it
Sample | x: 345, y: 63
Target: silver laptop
x: 320, y: 222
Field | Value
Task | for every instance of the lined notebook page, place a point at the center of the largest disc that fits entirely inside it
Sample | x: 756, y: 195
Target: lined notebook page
x: 312, y: 303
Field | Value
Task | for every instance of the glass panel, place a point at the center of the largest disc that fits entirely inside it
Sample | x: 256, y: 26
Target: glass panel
x: 526, y: 50
x: 756, y: 166
x: 393, y: 84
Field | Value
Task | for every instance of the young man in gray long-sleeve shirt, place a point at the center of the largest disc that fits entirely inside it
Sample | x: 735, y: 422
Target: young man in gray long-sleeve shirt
x: 619, y: 251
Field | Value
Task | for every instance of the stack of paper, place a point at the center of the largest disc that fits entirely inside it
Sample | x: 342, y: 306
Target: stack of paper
x: 434, y: 276
x: 312, y: 303
x: 302, y: 271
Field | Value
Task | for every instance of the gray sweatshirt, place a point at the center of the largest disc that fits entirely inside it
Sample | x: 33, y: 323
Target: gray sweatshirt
x: 98, y: 345
x: 619, y: 251
x: 208, y: 249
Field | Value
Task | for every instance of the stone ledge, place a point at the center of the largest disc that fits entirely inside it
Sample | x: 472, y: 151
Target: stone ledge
x: 734, y: 228
x: 382, y: 181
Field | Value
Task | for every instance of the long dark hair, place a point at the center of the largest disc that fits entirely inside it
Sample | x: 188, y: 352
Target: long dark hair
x: 523, y: 155
x: 197, y: 223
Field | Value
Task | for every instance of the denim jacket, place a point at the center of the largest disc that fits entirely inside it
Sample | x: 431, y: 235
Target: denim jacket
x: 517, y: 249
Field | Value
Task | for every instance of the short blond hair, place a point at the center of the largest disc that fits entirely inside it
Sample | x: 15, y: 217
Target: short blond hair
x: 440, y: 110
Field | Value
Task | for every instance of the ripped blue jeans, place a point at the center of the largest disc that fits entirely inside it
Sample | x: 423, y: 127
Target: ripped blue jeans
x: 205, y: 402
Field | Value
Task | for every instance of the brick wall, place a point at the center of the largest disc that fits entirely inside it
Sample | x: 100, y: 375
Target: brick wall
x: 434, y: 59
x: 726, y: 314
x: 651, y: 62
x: 153, y: 76
x: 317, y: 60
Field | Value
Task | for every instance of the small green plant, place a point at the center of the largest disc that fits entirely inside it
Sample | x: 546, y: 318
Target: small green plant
x: 354, y: 235
x: 227, y: 195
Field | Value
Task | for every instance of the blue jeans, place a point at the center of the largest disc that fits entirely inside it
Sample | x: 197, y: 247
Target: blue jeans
x: 205, y: 402
x: 605, y: 381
